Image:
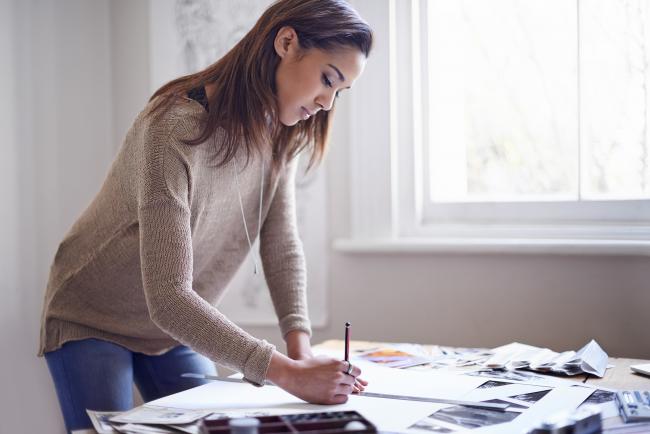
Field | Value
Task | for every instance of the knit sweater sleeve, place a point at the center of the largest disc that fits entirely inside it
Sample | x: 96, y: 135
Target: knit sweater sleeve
x: 166, y: 262
x: 283, y: 257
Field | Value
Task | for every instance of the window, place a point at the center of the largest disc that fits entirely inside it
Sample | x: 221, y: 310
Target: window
x: 513, y: 119
x: 537, y: 102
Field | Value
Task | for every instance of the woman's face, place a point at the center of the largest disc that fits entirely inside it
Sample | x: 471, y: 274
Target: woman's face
x: 309, y: 81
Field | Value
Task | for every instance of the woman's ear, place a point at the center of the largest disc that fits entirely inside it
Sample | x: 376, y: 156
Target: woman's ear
x: 286, y: 41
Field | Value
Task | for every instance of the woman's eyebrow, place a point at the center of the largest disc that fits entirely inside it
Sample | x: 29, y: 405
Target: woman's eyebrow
x: 341, y: 77
x: 338, y: 72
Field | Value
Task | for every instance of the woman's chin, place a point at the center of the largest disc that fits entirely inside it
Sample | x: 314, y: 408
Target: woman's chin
x: 289, y: 121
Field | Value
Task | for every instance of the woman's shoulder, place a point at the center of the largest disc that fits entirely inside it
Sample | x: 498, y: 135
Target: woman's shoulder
x: 166, y: 122
x: 167, y: 113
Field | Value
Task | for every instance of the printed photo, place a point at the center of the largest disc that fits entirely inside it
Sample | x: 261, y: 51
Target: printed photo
x: 468, y: 417
x: 429, y: 425
x: 599, y: 397
x: 490, y: 384
x: 505, y: 375
x: 531, y: 397
x: 394, y: 358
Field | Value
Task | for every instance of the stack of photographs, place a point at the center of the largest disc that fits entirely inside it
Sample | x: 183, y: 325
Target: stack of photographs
x: 590, y: 359
x: 157, y: 420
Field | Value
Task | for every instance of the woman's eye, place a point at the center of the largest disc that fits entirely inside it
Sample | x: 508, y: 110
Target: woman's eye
x: 328, y: 83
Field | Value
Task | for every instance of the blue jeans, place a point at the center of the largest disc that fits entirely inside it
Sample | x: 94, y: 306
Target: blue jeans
x: 99, y: 375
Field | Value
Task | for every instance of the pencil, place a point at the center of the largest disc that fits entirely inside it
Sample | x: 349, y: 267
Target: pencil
x: 347, y: 341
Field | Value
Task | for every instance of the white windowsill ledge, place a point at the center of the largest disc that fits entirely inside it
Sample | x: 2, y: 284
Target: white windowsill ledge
x: 479, y: 245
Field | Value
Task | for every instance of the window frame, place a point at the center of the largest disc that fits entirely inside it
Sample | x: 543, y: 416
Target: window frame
x: 388, y: 210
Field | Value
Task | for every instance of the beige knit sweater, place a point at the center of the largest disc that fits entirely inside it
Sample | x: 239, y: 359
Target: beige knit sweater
x: 146, y: 263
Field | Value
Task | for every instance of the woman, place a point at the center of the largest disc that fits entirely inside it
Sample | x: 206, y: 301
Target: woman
x: 207, y: 166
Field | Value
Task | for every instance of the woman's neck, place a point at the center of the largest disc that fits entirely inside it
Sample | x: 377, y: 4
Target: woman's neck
x: 209, y: 90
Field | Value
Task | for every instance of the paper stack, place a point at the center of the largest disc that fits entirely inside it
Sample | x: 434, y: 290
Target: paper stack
x: 590, y: 359
x: 145, y: 419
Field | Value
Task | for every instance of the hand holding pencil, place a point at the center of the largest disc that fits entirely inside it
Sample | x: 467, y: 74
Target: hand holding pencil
x: 359, y: 384
x: 319, y: 380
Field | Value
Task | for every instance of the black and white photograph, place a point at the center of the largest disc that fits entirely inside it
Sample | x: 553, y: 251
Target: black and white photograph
x: 600, y: 397
x: 429, y: 425
x: 468, y: 417
x: 504, y: 374
x: 490, y: 384
x: 532, y: 397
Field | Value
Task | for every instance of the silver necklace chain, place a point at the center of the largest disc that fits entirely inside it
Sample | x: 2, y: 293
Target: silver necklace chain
x: 259, y: 211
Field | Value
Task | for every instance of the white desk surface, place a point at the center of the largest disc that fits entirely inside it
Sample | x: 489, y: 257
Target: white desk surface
x: 619, y: 377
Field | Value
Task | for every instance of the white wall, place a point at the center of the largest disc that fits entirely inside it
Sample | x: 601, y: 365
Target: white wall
x: 73, y: 75
x: 129, y: 45
x: 59, y: 117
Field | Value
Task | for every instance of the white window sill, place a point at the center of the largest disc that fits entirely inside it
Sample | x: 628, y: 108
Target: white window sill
x: 480, y: 245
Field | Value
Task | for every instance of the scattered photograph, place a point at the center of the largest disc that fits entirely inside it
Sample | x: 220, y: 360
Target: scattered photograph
x: 226, y: 415
x: 160, y: 416
x: 394, y: 358
x: 505, y: 375
x: 101, y: 420
x: 568, y: 370
x: 600, y: 397
x: 490, y: 384
x: 467, y: 417
x: 429, y: 425
x: 531, y: 397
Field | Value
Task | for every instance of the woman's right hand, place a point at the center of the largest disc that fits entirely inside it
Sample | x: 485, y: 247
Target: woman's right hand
x: 318, y: 380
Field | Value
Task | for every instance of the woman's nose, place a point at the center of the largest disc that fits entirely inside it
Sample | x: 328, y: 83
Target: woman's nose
x: 326, y: 101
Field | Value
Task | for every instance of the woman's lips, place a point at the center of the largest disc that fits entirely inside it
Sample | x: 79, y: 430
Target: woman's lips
x: 305, y: 114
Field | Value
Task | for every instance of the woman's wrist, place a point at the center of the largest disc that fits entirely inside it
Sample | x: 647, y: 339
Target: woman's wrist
x: 298, y: 345
x: 279, y: 372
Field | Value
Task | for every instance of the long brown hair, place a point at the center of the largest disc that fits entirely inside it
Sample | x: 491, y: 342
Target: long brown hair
x: 244, y: 102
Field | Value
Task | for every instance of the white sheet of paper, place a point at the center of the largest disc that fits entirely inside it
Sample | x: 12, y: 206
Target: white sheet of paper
x: 428, y: 384
x: 222, y: 396
x: 390, y: 414
x: 594, y: 359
